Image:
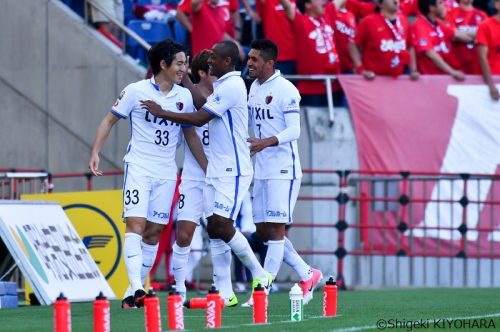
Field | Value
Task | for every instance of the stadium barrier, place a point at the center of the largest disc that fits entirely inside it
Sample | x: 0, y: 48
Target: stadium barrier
x: 392, y: 224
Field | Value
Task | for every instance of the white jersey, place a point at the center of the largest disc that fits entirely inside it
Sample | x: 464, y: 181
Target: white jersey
x: 154, y: 141
x: 268, y: 104
x: 192, y: 169
x: 229, y: 151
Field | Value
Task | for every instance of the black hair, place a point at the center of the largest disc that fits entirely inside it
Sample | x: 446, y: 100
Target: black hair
x: 229, y: 49
x: 200, y: 62
x: 424, y: 6
x: 164, y: 50
x: 301, y: 5
x: 268, y: 49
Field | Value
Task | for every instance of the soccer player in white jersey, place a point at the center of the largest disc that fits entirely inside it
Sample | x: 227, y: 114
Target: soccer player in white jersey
x: 273, y: 105
x: 191, y: 190
x: 229, y: 171
x: 150, y: 168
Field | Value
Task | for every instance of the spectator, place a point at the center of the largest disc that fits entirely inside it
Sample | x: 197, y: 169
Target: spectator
x: 488, y: 41
x: 384, y: 41
x: 279, y: 29
x: 102, y: 22
x: 209, y: 21
x: 432, y: 39
x: 344, y: 25
x: 317, y: 54
x: 465, y: 18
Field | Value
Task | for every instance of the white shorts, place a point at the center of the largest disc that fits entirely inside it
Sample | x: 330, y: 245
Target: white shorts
x: 147, y: 197
x: 274, y: 200
x: 223, y: 196
x: 190, y: 206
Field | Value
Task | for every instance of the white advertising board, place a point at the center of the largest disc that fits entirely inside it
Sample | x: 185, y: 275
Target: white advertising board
x: 49, y: 252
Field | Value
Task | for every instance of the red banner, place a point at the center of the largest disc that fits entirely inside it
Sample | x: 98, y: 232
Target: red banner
x: 437, y: 125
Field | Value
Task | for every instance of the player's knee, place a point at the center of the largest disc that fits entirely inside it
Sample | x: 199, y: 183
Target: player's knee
x: 152, y: 233
x: 261, y: 234
x: 184, y: 238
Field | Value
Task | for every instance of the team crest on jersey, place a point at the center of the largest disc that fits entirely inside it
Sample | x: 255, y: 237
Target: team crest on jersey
x: 269, y: 99
x: 179, y: 105
x: 423, y: 42
x: 121, y: 95
x: 217, y: 99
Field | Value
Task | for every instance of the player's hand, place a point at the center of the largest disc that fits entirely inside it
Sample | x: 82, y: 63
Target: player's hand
x: 495, y: 95
x: 152, y: 107
x: 458, y: 75
x: 368, y: 75
x: 94, y: 164
x: 256, y: 145
x: 414, y: 75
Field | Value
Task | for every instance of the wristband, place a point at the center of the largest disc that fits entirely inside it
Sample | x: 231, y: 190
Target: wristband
x: 359, y: 69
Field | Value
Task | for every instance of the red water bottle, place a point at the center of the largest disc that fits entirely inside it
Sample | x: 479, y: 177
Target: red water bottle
x: 62, y: 314
x: 330, y: 298
x: 175, y: 310
x: 101, y: 314
x: 152, y: 314
x: 214, y: 309
x: 196, y: 303
x: 259, y: 305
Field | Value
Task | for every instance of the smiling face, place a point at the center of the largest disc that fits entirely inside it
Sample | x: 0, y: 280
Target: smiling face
x: 177, y: 68
x: 258, y: 67
x: 217, y: 62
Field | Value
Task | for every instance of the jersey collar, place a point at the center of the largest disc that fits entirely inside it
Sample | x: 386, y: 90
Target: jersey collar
x: 227, y: 75
x: 173, y: 92
x: 276, y: 74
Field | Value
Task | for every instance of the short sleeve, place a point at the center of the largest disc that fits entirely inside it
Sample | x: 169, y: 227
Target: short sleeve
x: 483, y: 35
x: 219, y: 102
x: 189, y: 106
x: 449, y: 31
x: 234, y: 5
x: 125, y: 103
x: 420, y: 38
x: 362, y: 32
x: 185, y: 6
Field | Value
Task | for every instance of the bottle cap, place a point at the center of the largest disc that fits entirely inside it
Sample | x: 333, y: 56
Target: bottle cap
x: 331, y: 281
x: 259, y: 288
x: 213, y: 290
x: 151, y: 293
x: 101, y: 296
x: 296, y: 290
x: 187, y: 304
x: 61, y: 297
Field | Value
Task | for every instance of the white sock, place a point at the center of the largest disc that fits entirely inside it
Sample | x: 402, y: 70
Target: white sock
x: 180, y: 259
x: 241, y: 248
x: 274, y: 256
x: 221, y: 261
x: 128, y: 292
x: 292, y: 258
x: 132, y: 254
x: 149, y: 252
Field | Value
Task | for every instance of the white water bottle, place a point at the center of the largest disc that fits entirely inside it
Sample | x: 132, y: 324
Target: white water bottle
x: 296, y: 304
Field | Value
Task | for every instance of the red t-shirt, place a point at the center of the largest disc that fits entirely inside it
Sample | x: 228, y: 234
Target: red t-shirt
x: 278, y: 28
x: 209, y: 26
x: 464, y: 56
x: 344, y: 25
x: 427, y: 36
x: 488, y: 35
x: 384, y: 44
x: 317, y: 53
x: 228, y: 7
x: 409, y: 7
x: 360, y: 9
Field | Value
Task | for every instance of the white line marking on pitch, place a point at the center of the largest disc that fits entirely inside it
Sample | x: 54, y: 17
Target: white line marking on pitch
x: 372, y: 327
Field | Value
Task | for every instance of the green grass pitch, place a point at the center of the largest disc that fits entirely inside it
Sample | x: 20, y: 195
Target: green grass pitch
x: 357, y: 311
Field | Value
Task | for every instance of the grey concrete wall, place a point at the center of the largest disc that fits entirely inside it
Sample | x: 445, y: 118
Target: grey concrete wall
x: 58, y: 78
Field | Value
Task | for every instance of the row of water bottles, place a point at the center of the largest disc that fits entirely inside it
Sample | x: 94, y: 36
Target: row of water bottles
x: 329, y: 301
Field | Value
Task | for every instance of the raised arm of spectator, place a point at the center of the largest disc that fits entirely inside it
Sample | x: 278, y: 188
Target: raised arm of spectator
x: 444, y: 66
x: 289, y: 9
x: 252, y: 13
x: 357, y: 63
x: 482, y: 51
x: 184, y: 20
